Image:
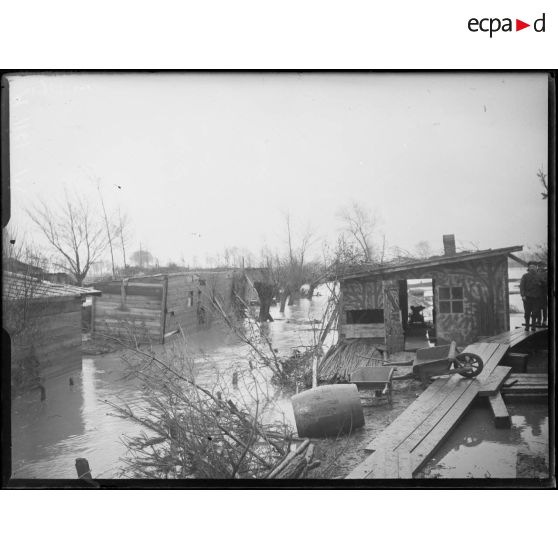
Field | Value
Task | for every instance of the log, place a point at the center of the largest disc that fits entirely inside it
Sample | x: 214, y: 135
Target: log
x: 288, y: 459
x: 328, y: 411
x: 82, y: 468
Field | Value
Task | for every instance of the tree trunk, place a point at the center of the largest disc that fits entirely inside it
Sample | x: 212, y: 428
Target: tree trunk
x: 265, y: 294
x: 310, y: 293
x: 284, y: 296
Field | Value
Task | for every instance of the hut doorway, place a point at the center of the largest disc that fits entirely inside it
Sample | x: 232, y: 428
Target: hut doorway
x: 417, y: 298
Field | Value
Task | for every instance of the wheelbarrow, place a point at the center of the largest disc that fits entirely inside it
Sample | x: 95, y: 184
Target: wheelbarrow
x: 377, y: 378
x: 438, y: 361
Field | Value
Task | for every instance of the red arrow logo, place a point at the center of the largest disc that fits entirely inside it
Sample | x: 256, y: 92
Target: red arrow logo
x: 519, y: 25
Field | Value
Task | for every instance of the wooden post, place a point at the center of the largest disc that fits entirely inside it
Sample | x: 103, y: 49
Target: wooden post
x: 82, y: 468
x: 502, y: 418
x: 123, y: 285
x: 164, y: 307
x: 93, y: 303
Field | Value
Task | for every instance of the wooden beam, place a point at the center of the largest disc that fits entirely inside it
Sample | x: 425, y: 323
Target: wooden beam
x: 493, y: 384
x: 502, y: 418
x: 517, y: 259
x: 428, y: 445
x: 164, y: 307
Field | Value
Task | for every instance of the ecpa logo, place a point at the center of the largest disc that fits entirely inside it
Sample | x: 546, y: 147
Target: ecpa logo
x: 492, y: 25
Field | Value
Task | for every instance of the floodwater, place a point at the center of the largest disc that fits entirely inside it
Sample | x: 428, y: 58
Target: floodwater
x: 477, y: 449
x: 75, y: 421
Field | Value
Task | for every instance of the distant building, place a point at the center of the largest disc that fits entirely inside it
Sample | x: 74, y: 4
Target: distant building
x: 154, y: 307
x: 470, y: 297
x: 16, y: 266
x: 24, y: 268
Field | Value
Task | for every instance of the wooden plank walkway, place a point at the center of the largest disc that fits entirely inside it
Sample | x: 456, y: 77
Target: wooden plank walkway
x: 409, y: 440
x: 513, y: 337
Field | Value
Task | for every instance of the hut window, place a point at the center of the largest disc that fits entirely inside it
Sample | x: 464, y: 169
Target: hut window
x: 370, y: 316
x: 450, y: 300
x: 190, y: 299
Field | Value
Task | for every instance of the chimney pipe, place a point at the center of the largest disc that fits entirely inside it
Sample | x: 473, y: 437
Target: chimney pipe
x: 449, y: 245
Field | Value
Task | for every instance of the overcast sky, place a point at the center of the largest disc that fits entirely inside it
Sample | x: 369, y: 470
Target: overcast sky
x: 207, y: 161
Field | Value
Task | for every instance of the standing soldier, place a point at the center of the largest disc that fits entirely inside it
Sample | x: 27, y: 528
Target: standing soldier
x: 531, y: 291
x: 543, y: 303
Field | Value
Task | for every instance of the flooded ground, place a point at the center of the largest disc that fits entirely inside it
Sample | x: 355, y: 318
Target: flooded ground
x: 476, y: 449
x: 75, y: 421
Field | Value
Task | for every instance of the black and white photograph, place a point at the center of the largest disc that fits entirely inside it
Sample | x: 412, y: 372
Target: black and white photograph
x: 277, y: 278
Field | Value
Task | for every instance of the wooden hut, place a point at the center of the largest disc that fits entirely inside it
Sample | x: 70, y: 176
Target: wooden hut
x: 43, y: 320
x: 470, y: 297
x: 152, y: 308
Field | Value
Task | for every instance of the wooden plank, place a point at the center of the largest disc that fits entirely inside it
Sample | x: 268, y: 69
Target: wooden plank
x: 525, y: 389
x: 428, y: 445
x: 131, y: 302
x: 380, y: 465
x: 510, y: 338
x: 444, y: 407
x: 529, y: 378
x: 502, y: 418
x: 358, y: 331
x: 130, y: 322
x: 517, y: 259
x: 132, y: 313
x: 365, y: 468
x: 407, y: 421
x: 163, y: 313
x: 493, y: 384
x: 93, y: 310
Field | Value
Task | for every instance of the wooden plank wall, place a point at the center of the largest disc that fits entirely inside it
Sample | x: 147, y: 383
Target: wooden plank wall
x: 178, y: 312
x: 141, y: 313
x: 364, y: 331
x: 53, y: 336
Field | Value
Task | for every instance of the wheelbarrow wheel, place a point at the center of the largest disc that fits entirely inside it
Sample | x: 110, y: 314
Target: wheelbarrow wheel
x: 468, y: 365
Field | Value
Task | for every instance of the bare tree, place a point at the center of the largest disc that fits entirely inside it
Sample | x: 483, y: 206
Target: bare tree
x: 122, y: 233
x: 293, y: 270
x: 360, y: 225
x: 109, y: 228
x: 142, y: 258
x: 73, y: 231
x: 423, y: 249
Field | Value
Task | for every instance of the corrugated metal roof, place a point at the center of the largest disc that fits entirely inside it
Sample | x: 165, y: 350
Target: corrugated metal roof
x: 16, y: 286
x: 435, y: 261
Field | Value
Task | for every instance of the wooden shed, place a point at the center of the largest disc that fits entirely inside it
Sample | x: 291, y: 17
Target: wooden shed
x: 44, y: 323
x: 152, y: 308
x: 470, y: 297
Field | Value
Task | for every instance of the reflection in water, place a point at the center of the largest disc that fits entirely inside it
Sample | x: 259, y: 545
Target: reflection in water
x: 75, y: 421
x: 476, y: 449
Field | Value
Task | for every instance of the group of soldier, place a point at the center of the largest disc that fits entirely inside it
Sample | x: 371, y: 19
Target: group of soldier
x: 534, y: 293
